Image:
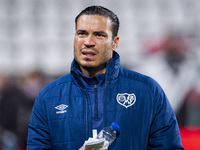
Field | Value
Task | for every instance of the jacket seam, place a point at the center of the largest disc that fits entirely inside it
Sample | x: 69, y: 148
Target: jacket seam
x: 52, y: 86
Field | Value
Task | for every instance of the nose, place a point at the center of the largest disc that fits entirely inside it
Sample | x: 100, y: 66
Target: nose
x: 89, y: 41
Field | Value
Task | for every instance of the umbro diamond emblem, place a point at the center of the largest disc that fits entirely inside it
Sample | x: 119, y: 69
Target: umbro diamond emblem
x: 126, y: 99
x: 61, y: 109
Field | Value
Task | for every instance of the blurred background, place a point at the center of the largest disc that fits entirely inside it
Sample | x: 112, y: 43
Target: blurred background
x: 159, y: 38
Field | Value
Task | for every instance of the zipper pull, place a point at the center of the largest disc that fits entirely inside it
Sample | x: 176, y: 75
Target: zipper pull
x: 95, y: 86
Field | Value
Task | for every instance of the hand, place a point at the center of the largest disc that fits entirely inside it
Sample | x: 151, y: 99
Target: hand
x: 82, y: 148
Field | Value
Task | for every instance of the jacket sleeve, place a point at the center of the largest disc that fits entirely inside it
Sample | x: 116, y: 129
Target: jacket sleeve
x: 38, y: 132
x: 164, y: 132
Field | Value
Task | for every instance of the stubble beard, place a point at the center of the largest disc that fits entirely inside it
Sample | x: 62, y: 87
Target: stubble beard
x: 87, y: 65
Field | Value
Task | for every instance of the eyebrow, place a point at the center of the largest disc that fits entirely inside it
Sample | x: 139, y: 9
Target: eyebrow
x: 95, y: 32
x: 80, y: 30
x: 100, y: 32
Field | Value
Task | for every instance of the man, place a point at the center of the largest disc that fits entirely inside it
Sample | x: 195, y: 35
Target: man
x: 98, y: 92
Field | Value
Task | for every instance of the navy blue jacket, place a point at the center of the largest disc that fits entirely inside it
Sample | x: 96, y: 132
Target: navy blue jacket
x: 62, y: 119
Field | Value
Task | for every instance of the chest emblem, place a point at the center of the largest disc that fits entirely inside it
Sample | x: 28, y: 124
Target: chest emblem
x: 61, y: 109
x: 126, y: 99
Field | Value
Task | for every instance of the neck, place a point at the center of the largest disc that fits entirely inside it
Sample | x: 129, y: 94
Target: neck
x: 91, y: 72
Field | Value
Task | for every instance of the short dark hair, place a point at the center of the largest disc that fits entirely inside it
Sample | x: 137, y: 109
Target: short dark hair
x: 102, y: 11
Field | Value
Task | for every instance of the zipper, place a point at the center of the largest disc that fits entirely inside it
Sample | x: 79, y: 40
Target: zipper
x: 96, y: 101
x: 86, y: 115
x: 104, y: 123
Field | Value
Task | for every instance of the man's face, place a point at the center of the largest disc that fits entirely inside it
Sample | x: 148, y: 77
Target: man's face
x: 93, y: 43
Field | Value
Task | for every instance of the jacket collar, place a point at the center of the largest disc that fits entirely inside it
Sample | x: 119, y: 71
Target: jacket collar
x: 112, y: 68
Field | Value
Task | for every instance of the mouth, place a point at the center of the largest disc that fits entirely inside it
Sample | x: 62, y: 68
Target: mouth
x: 88, y: 53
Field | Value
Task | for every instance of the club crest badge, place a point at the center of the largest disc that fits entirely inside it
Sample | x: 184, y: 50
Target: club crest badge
x: 126, y: 99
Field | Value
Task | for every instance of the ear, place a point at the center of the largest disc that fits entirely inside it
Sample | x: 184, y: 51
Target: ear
x: 115, y: 43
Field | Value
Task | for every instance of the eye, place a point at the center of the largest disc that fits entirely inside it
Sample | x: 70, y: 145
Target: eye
x: 100, y: 34
x: 81, y: 33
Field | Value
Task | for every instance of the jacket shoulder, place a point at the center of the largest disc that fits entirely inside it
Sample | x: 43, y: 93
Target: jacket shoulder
x: 63, y: 80
x: 138, y: 77
x: 141, y: 81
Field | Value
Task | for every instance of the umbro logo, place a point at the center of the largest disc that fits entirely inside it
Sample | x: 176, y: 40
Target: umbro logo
x: 61, y: 109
